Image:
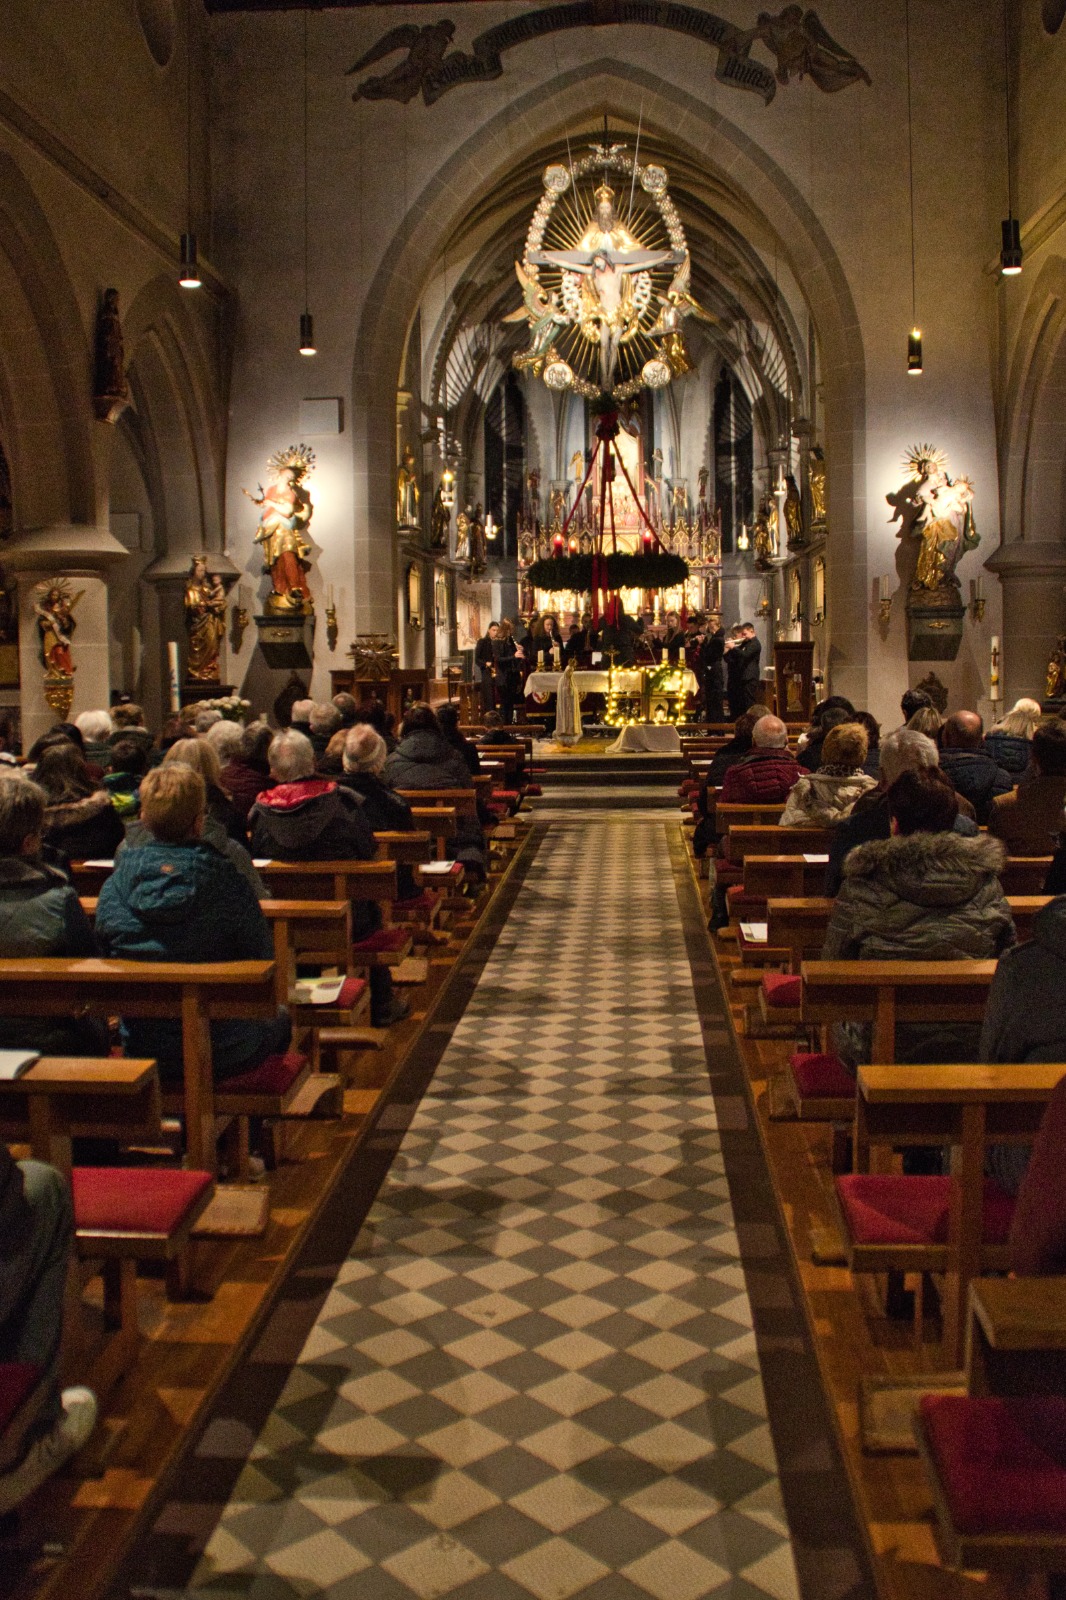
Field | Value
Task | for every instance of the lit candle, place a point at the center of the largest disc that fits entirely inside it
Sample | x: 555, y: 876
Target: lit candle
x: 979, y: 589
x: 556, y: 657
x: 174, y: 676
x: 681, y: 656
x: 993, y: 678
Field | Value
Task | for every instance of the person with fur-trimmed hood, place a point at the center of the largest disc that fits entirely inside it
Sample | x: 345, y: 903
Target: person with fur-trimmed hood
x: 925, y: 894
x: 822, y: 799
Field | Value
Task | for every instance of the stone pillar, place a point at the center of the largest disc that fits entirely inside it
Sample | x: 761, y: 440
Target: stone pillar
x: 1033, y: 575
x: 78, y: 554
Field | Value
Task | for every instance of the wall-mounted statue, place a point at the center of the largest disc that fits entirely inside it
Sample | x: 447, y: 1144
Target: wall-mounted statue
x: 205, y: 622
x: 816, y: 485
x: 407, y: 491
x: 936, y: 511
x: 764, y: 534
x: 111, y: 390
x: 795, y: 535
x: 284, y: 517
x: 440, y: 521
x: 462, y: 535
x: 55, y: 625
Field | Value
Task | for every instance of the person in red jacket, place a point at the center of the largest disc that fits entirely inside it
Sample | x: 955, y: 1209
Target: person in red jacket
x: 767, y: 773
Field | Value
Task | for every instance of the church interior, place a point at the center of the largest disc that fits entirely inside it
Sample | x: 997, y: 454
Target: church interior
x: 532, y: 800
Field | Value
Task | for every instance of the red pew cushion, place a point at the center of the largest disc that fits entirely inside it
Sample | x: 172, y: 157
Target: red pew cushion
x: 17, y: 1381
x: 892, y: 1208
x: 781, y: 989
x: 135, y: 1199
x: 383, y: 942
x: 273, y: 1076
x: 428, y: 900
x: 741, y: 903
x: 821, y: 1075
x: 1002, y: 1463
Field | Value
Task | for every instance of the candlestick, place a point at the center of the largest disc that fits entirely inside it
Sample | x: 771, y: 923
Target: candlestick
x: 173, y: 673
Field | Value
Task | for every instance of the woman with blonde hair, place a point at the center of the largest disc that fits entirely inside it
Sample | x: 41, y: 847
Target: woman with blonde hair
x: 822, y: 799
x: 1009, y: 742
x: 927, y: 720
x: 200, y: 754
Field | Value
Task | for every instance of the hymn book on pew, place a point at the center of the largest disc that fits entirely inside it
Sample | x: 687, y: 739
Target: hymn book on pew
x: 13, y: 1063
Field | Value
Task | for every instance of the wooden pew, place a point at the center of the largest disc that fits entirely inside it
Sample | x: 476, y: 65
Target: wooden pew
x: 967, y: 1107
x: 194, y: 994
x: 742, y: 842
x: 799, y: 925
x: 1025, y: 875
x: 782, y: 877
x: 886, y: 993
x: 439, y: 823
x: 347, y: 880
x: 59, y: 1098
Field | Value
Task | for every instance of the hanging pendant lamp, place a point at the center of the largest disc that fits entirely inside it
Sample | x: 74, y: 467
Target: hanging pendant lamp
x: 914, y: 338
x: 307, y: 323
x: 1010, y: 254
x: 189, y: 268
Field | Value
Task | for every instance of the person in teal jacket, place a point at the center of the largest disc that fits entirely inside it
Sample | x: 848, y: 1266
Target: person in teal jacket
x: 177, y: 899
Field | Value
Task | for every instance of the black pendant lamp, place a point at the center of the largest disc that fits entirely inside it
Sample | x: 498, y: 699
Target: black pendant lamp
x: 1010, y: 254
x: 189, y: 269
x: 914, y: 338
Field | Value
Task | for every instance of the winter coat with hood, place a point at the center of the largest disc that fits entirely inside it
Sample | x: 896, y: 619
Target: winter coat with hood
x: 386, y: 812
x: 185, y: 903
x: 214, y: 834
x: 425, y: 760
x: 41, y: 915
x: 822, y: 799
x: 244, y: 782
x: 1029, y: 819
x: 314, y: 819
x: 923, y: 897
x: 89, y: 829
x: 1025, y: 1019
x: 761, y: 778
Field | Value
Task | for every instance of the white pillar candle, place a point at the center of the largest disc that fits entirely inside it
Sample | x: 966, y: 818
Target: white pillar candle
x: 681, y: 656
x: 993, y: 677
x: 174, y: 676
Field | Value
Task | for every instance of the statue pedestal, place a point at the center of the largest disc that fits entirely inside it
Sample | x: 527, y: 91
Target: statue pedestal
x: 286, y: 642
x: 935, y: 620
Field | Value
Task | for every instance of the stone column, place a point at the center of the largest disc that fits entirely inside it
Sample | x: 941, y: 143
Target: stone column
x: 1033, y: 575
x: 80, y: 555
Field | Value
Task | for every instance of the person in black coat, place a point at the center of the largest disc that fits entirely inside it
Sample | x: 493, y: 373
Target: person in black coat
x: 486, y: 652
x: 448, y: 721
x: 713, y: 670
x: 742, y: 655
x: 971, y: 770
x: 80, y: 823
x: 365, y: 754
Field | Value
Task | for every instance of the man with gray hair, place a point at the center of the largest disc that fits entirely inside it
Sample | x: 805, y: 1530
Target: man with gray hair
x: 322, y: 725
x: 906, y: 750
x: 306, y: 818
x: 345, y: 704
x: 766, y: 774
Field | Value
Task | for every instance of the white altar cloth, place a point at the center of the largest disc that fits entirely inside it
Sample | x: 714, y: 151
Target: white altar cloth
x: 627, y: 680
x: 648, y: 738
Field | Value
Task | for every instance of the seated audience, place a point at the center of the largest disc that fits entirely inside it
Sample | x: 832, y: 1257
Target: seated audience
x: 331, y: 764
x: 927, y: 720
x: 308, y: 818
x: 913, y: 700
x: 196, y: 753
x: 323, y: 722
x: 1029, y: 818
x: 824, y: 798
x: 200, y: 753
x: 735, y: 748
x: 36, y: 1245
x: 40, y: 915
x: 95, y: 728
x: 205, y: 718
x: 497, y: 733
x: 925, y: 894
x: 61, y: 733
x: 1009, y: 741
x: 247, y: 772
x: 176, y: 898
x: 448, y: 722
x: 374, y: 714
x: 903, y: 751
x: 767, y: 773
x: 972, y: 772
x: 127, y: 722
x: 345, y: 704
x: 830, y: 713
x: 224, y: 737
x: 80, y: 823
x: 872, y: 764
x: 123, y: 783
x: 424, y: 759
x: 387, y: 812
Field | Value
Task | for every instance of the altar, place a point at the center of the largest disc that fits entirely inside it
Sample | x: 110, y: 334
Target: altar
x: 646, y: 738
x: 622, y: 681
x: 641, y: 689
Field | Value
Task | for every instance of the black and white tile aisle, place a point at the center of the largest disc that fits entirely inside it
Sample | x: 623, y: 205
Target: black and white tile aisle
x: 536, y: 1372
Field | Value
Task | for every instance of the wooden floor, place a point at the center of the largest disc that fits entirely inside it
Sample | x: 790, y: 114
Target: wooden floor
x: 69, y: 1545
x: 853, y: 1338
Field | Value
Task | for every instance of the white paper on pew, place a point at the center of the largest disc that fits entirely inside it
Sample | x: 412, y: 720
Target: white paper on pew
x: 816, y: 861
x: 755, y: 932
x: 100, y: 863
x: 13, y: 1063
x: 312, y: 991
x: 442, y: 867
x: 268, y: 861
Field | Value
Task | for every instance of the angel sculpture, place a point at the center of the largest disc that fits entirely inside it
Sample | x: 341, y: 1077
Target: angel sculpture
x: 55, y: 625
x: 425, y: 52
x: 804, y: 48
x: 544, y: 316
x: 938, y: 510
x: 677, y: 303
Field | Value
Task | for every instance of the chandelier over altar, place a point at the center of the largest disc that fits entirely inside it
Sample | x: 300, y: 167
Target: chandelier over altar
x: 605, y: 278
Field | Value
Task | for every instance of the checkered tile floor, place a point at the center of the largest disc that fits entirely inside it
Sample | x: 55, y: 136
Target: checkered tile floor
x: 536, y: 1373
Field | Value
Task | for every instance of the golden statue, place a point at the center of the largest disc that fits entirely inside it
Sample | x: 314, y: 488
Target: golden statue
x: 205, y: 622
x: 816, y: 484
x: 939, y: 511
x: 764, y: 533
x: 55, y: 625
x: 793, y: 515
x: 462, y: 535
x: 407, y: 491
x: 1056, y: 672
x: 284, y: 517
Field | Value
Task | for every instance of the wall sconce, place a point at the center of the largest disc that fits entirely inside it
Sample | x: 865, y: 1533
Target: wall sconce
x: 977, y: 603
x: 239, y: 620
x: 884, y: 601
x: 447, y: 488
